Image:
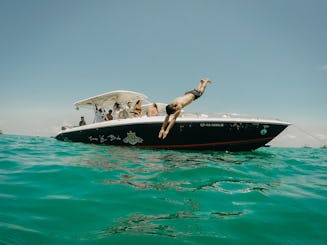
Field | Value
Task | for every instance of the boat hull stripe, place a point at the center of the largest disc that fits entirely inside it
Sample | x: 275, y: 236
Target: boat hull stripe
x: 235, y: 142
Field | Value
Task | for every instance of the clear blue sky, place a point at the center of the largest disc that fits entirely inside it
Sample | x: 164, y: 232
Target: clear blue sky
x: 266, y: 58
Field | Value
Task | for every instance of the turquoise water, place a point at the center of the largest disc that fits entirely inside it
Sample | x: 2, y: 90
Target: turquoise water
x: 54, y: 192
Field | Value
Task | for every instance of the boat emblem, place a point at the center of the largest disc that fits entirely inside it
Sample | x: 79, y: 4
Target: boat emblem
x: 132, y: 138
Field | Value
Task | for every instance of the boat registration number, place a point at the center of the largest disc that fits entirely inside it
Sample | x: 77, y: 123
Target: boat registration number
x: 211, y: 125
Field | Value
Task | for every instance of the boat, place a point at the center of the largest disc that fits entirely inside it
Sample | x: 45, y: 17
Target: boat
x: 193, y: 131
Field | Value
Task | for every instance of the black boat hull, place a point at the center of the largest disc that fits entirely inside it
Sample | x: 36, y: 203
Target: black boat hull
x: 195, y: 135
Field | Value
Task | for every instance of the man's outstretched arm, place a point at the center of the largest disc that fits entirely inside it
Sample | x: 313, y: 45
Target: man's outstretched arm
x: 171, y: 123
x: 163, y: 127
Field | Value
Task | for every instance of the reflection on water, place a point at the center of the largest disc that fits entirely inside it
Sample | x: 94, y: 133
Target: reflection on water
x: 182, y: 170
x: 196, y: 176
x: 164, y: 224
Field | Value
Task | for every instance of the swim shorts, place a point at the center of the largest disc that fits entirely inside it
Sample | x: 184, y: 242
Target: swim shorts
x: 195, y: 92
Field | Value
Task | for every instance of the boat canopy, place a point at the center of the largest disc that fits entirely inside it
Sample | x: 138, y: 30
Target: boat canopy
x: 107, y: 100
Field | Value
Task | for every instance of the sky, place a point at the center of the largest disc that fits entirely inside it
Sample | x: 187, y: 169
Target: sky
x: 265, y: 58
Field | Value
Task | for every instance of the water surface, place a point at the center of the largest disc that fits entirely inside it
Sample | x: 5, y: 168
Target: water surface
x: 54, y: 192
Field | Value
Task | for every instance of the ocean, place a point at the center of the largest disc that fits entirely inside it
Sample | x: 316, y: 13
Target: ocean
x: 54, y: 192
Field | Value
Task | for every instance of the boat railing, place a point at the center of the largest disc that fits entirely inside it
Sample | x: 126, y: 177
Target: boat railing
x: 212, y: 114
x: 223, y: 115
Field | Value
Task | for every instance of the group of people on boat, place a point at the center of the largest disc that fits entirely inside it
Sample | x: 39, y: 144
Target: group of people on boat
x: 174, y: 109
x: 122, y: 112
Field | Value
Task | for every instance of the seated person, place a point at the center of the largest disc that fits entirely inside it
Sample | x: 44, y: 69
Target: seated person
x: 126, y: 113
x: 82, y: 122
x: 100, y: 115
x: 153, y: 110
x: 117, y: 113
x: 109, y: 115
x: 137, y: 109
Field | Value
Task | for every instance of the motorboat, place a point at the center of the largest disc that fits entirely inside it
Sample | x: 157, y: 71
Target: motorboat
x: 194, y: 131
